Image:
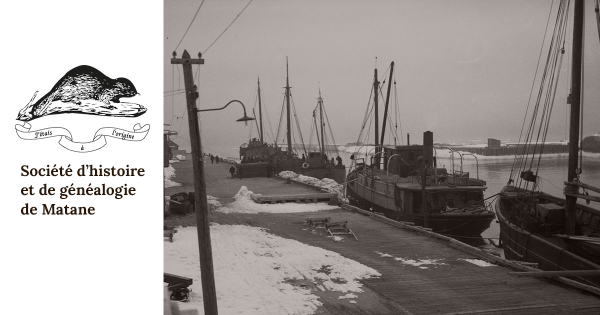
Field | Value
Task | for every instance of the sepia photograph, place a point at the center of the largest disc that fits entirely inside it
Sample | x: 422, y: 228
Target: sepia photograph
x: 381, y: 157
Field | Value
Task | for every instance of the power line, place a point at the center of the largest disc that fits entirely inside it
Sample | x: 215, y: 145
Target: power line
x: 192, y: 22
x: 227, y: 26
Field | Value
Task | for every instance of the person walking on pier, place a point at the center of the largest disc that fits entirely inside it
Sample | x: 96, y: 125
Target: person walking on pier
x: 212, y: 159
x: 232, y: 171
x: 269, y: 169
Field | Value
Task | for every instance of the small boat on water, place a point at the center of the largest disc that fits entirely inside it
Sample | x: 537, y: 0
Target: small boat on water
x: 558, y: 234
x: 410, y: 187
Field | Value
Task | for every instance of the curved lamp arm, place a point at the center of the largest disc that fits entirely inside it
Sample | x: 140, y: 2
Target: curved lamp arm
x: 245, y: 118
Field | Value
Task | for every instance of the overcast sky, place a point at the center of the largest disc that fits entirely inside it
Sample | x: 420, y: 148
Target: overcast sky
x: 464, y: 69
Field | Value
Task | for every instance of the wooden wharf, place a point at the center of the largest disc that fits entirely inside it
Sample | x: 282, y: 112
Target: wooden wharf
x: 448, y: 284
x: 421, y: 273
x: 307, y: 197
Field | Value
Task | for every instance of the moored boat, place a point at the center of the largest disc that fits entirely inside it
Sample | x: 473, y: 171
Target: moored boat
x: 454, y: 202
x: 315, y: 163
x: 257, y: 147
x: 558, y: 234
x: 408, y: 185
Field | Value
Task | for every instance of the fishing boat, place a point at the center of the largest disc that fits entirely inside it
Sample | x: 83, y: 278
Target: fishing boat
x: 557, y: 234
x: 257, y: 147
x: 314, y: 163
x: 321, y: 163
x: 409, y: 186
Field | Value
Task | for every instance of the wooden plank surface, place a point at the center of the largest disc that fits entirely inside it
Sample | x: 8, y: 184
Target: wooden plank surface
x: 293, y: 197
x: 562, y: 273
x: 452, y: 286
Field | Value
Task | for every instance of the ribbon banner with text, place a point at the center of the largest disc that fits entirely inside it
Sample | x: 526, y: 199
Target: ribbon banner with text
x: 138, y: 134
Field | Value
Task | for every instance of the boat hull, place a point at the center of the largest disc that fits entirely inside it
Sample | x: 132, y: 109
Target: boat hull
x: 551, y: 253
x: 262, y: 150
x: 454, y: 224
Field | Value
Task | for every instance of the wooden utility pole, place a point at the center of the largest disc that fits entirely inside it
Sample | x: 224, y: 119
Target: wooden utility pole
x: 207, y: 274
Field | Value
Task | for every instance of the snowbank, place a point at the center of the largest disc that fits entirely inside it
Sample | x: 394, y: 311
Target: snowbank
x: 213, y: 202
x: 168, y: 173
x: 243, y: 203
x: 328, y: 184
x: 260, y: 273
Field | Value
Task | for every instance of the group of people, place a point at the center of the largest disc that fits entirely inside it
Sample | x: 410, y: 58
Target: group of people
x: 214, y: 159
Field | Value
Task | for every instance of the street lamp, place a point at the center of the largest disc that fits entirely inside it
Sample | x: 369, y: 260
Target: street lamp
x: 244, y: 119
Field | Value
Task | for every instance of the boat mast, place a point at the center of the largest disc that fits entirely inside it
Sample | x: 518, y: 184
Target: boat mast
x: 287, y: 98
x: 321, y: 113
x: 376, y: 101
x: 260, y: 114
x: 575, y: 101
x: 387, y: 103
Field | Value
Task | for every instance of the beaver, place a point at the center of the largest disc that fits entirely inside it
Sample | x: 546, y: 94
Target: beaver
x: 79, y: 84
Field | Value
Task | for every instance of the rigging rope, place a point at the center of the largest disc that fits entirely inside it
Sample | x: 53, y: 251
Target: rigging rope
x: 335, y: 149
x: 297, y: 123
x: 516, y: 158
x: 597, y: 10
x: 548, y: 84
x: 398, y: 120
x: 280, y: 120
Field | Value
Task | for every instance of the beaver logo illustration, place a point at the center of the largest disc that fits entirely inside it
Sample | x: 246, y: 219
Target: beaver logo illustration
x: 85, y: 90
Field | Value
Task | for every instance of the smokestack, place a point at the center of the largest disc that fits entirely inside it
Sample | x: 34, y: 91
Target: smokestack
x: 408, y: 139
x: 428, y: 148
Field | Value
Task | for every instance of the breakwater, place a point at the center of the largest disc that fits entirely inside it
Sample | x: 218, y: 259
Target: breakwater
x: 511, y: 150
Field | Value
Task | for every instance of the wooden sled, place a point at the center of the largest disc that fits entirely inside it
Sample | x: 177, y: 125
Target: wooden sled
x: 339, y: 228
x: 316, y: 222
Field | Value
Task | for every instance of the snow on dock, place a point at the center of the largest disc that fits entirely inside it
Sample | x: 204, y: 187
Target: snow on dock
x: 271, y: 262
